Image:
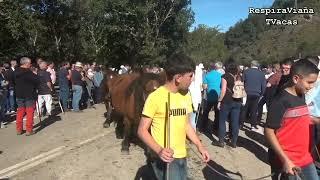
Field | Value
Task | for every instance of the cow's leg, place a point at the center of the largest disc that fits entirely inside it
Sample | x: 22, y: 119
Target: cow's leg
x: 119, y: 128
x: 134, y: 135
x: 127, y: 133
x: 108, y: 120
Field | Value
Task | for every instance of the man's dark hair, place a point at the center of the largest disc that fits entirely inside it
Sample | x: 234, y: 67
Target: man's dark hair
x: 212, y: 66
x: 6, y: 65
x: 313, y: 59
x: 178, y: 64
x: 287, y: 61
x: 232, y: 68
x: 49, y: 62
x: 64, y: 63
x: 303, y: 67
x: 97, y: 69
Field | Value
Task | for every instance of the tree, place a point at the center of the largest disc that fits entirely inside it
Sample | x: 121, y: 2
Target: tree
x: 206, y: 44
x: 113, y: 31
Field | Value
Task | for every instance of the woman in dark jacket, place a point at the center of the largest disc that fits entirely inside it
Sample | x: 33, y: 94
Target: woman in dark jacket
x: 229, y: 106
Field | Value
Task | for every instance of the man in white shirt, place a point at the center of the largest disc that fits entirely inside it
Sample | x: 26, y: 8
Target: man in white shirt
x: 195, y: 90
x: 52, y: 72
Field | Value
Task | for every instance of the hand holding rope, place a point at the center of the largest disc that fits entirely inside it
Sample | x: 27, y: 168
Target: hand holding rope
x: 296, y: 170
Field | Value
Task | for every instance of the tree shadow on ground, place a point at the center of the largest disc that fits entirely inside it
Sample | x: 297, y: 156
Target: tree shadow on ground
x: 145, y: 173
x: 257, y: 137
x: 46, y: 122
x: 254, y: 148
x: 220, y: 172
x: 210, y: 131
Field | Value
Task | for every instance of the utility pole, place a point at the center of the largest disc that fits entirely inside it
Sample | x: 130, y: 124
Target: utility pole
x: 296, y: 3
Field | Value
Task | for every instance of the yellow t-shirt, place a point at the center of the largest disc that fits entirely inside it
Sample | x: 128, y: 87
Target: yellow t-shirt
x: 180, y: 107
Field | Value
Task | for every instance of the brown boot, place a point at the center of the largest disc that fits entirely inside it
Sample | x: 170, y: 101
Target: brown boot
x: 19, y: 133
x: 30, y: 133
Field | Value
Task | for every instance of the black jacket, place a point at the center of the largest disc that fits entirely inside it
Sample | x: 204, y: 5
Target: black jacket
x: 254, y: 82
x: 9, y: 75
x: 26, y: 83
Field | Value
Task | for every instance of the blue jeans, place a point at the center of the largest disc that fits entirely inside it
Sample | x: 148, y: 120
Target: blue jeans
x: 26, y: 103
x: 308, y: 173
x: 177, y: 169
x: 3, y: 101
x: 64, y: 97
x: 77, y: 93
x: 10, y: 103
x: 234, y: 110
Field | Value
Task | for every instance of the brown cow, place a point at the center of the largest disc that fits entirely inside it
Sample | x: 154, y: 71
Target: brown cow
x: 126, y: 97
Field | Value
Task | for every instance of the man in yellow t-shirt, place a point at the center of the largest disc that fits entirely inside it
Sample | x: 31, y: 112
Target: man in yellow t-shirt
x: 171, y: 149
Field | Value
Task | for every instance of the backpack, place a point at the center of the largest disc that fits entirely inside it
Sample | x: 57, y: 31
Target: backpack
x: 238, y: 90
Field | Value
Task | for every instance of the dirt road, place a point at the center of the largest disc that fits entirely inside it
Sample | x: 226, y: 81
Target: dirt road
x: 75, y: 146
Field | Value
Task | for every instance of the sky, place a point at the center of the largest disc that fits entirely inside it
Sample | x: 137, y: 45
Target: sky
x: 224, y: 13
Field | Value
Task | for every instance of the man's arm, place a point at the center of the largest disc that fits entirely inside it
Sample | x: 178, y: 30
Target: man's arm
x: 223, y: 91
x: 53, y: 77
x: 263, y: 85
x: 315, y: 120
x: 49, y: 84
x: 191, y: 134
x: 244, y: 76
x: 143, y: 133
x: 69, y: 74
x: 271, y: 80
x: 205, y: 83
x: 274, y: 143
x: 49, y: 81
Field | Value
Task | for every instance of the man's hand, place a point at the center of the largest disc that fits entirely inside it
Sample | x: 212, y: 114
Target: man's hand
x: 166, y: 155
x: 219, y: 105
x: 204, y: 153
x: 268, y: 84
x: 315, y: 120
x: 289, y: 167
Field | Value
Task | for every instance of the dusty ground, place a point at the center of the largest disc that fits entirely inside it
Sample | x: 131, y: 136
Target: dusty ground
x: 100, y: 156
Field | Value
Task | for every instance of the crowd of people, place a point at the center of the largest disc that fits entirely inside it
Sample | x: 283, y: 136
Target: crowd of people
x: 288, y: 91
x: 235, y: 93
x: 27, y: 86
x: 241, y: 94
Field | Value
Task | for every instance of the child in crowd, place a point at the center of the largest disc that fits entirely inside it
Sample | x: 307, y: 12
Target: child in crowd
x: 288, y: 126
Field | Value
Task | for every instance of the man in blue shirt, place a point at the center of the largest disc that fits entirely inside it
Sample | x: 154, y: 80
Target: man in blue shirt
x: 64, y: 77
x: 212, y: 85
x: 97, y: 79
x: 255, y: 85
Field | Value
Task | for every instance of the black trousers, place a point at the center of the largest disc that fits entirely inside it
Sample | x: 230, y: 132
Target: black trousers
x: 98, y: 95
x: 261, y: 103
x: 250, y: 110
x: 204, y: 124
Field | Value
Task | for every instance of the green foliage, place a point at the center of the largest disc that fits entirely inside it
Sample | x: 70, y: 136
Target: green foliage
x: 115, y: 32
x: 206, y: 44
x: 252, y: 39
x: 109, y: 31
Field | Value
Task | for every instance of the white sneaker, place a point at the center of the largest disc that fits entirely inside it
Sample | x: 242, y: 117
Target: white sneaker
x: 258, y: 130
x: 2, y: 126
